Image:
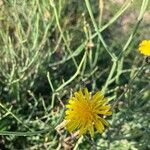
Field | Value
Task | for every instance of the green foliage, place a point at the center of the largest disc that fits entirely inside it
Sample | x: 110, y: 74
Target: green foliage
x: 50, y: 49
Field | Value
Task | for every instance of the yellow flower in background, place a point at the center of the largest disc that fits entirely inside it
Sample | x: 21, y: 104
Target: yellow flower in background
x: 144, y: 47
x: 85, y: 112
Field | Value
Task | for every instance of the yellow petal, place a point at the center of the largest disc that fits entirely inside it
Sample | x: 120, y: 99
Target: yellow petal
x: 98, y: 97
x: 81, y: 94
x: 104, y: 121
x: 103, y: 102
x: 99, y: 126
x: 91, y: 129
x: 72, y: 125
x: 87, y: 94
x: 144, y: 47
x: 83, y: 130
x: 77, y: 95
x: 108, y: 113
x: 103, y: 112
x: 106, y: 107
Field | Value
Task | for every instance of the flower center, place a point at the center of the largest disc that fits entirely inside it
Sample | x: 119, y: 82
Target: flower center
x: 85, y: 112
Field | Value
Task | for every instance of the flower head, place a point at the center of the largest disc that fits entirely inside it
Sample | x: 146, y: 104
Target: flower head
x: 144, y: 47
x: 85, y: 112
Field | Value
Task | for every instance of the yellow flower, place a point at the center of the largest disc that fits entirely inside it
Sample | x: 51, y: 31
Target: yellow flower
x: 85, y: 112
x: 144, y: 47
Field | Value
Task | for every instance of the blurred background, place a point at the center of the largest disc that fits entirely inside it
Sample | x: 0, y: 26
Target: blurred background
x: 49, y: 49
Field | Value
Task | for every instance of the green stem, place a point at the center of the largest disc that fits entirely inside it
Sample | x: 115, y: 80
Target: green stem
x: 14, y: 116
x: 61, y: 32
x: 97, y: 31
x: 109, y: 77
x: 23, y: 133
x: 75, y: 75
